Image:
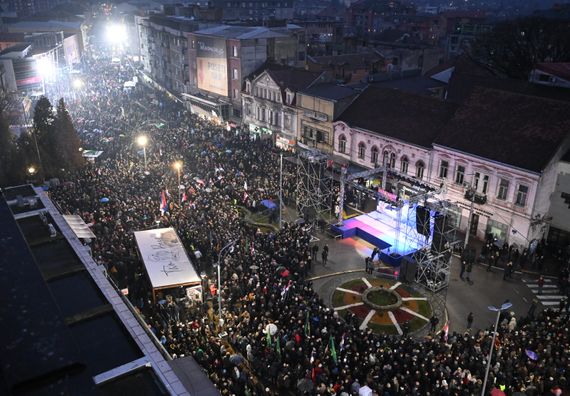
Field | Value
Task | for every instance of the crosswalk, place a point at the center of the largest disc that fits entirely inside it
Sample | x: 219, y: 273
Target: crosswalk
x: 551, y: 295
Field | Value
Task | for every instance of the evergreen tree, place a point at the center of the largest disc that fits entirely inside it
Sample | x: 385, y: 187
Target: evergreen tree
x: 43, y: 134
x: 9, y: 174
x: 67, y: 138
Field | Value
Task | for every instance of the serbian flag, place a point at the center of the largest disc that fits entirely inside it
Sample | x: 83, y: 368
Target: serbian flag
x: 446, y: 331
x: 184, y: 197
x: 163, y: 203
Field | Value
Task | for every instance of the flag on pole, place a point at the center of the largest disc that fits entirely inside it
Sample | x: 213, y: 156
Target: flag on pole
x: 445, y: 331
x: 307, y: 326
x: 245, y: 185
x: 184, y: 197
x: 333, y: 350
x: 163, y: 203
x: 268, y: 338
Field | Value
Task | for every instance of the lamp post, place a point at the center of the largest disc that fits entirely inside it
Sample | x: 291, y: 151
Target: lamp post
x: 142, y: 141
x: 31, y: 170
x: 504, y: 307
x: 222, y: 253
x: 178, y: 166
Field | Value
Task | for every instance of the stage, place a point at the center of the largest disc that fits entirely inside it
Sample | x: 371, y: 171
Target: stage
x: 380, y: 229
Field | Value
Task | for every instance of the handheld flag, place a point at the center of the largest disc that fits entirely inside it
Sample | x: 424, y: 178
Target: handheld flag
x: 268, y: 338
x: 307, y: 326
x: 333, y: 350
x: 163, y: 203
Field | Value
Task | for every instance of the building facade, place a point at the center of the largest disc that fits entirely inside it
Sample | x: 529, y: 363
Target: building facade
x: 318, y: 107
x: 487, y: 146
x: 269, y: 100
x: 221, y: 57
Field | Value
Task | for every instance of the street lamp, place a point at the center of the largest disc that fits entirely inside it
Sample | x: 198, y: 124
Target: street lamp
x: 77, y: 83
x: 178, y: 166
x: 506, y: 305
x: 222, y: 253
x: 31, y: 170
x: 142, y: 141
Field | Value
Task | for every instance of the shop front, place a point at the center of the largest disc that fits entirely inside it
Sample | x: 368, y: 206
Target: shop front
x: 259, y: 132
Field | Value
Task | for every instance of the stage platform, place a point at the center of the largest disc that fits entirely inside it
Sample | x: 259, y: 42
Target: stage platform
x: 379, y: 229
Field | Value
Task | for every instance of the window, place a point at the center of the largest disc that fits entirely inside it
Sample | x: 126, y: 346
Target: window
x: 443, y: 166
x: 374, y: 155
x: 385, y: 158
x: 392, y: 160
x: 485, y: 184
x: 503, y: 189
x: 342, y: 144
x: 420, y: 166
x: 361, y: 150
x: 235, y: 74
x: 522, y: 193
x: 322, y: 137
x: 235, y: 93
x: 404, y: 164
x: 476, y: 178
x: 459, y: 174
x: 248, y: 87
x: 234, y: 51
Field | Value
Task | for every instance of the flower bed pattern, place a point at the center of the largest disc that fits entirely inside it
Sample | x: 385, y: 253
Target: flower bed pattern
x: 415, y: 310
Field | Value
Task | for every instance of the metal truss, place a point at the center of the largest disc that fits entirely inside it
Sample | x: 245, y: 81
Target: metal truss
x: 314, y: 185
x: 434, y: 253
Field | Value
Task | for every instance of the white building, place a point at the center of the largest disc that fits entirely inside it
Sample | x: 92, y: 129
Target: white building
x: 269, y: 99
x: 506, y: 146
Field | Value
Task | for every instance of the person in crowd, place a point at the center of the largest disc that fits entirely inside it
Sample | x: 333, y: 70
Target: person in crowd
x: 309, y: 349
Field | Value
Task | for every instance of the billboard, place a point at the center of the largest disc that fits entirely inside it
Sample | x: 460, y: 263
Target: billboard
x: 212, y: 65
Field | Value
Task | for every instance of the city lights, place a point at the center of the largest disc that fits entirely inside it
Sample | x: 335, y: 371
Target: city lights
x: 116, y: 33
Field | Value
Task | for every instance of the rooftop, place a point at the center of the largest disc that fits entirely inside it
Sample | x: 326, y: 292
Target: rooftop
x: 353, y: 60
x: 329, y: 91
x: 246, y: 32
x: 387, y: 111
x: 508, y: 127
x: 560, y: 69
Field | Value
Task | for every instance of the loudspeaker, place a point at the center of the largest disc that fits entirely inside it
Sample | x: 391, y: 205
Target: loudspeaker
x: 408, y: 269
x: 439, y: 230
x: 422, y: 220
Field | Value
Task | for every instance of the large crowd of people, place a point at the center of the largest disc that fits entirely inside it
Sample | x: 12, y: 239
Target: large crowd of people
x: 278, y: 335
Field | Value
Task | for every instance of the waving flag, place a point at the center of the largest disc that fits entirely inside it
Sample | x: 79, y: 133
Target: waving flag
x: 163, y: 203
x: 307, y: 326
x: 333, y: 350
x: 184, y: 197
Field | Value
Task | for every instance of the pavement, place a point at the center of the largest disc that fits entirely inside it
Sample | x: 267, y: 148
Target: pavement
x: 346, y: 261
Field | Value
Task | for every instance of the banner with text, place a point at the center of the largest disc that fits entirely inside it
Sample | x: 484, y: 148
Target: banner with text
x: 212, y: 65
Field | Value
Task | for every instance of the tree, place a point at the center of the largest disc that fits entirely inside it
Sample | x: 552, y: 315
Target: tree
x: 67, y: 138
x: 9, y: 174
x: 43, y: 136
x: 514, y: 47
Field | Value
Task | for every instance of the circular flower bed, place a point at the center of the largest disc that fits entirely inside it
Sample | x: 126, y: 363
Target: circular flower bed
x: 382, y: 305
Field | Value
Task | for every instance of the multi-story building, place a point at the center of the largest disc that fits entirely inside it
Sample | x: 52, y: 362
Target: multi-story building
x: 221, y: 57
x: 319, y: 106
x: 348, y: 68
x: 164, y: 50
x: 256, y: 10
x: 503, y: 146
x: 551, y: 74
x: 269, y: 100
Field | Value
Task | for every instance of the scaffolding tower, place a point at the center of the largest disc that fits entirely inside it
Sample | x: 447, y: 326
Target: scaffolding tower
x: 314, y: 186
x: 430, y: 225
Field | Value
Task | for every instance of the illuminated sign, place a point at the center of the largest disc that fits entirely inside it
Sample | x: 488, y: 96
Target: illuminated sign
x: 212, y: 65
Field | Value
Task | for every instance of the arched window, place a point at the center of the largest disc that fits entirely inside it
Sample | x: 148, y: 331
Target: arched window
x: 392, y: 160
x: 361, y: 150
x: 385, y: 158
x: 404, y: 164
x: 374, y: 155
x: 342, y: 144
x: 420, y: 166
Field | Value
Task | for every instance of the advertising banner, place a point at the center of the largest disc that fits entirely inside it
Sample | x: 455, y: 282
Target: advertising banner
x: 212, y: 65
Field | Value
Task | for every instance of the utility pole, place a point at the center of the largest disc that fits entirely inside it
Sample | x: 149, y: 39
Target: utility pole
x: 471, y: 209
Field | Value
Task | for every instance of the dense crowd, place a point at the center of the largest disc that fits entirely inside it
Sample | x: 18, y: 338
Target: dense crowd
x: 279, y: 337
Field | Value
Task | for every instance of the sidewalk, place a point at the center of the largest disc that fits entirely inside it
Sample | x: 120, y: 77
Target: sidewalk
x: 550, y: 266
